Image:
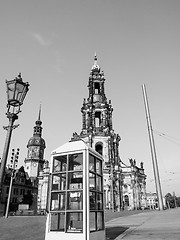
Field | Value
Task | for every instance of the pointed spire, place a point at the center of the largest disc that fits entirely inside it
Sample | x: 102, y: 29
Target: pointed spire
x: 39, y: 117
x: 95, y: 59
x: 95, y: 66
x: 39, y: 122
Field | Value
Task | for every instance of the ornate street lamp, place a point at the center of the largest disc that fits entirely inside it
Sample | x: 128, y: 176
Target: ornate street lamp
x: 16, y: 92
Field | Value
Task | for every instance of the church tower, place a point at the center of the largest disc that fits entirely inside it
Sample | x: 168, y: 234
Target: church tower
x: 35, y: 156
x: 97, y: 131
x: 97, y: 128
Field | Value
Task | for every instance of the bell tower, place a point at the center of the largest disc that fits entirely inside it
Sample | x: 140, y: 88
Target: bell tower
x: 96, y: 112
x: 35, y: 156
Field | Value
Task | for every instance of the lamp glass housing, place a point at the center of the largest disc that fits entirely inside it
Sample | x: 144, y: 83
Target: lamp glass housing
x: 16, y: 91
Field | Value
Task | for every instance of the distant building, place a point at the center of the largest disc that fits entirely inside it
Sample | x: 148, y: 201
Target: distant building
x: 30, y: 182
x: 152, y: 201
x: 134, y: 186
x: 35, y: 156
x: 22, y: 186
x: 36, y: 166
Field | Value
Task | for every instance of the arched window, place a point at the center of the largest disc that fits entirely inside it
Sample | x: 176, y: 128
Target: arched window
x: 97, y: 119
x: 99, y: 148
x: 126, y: 200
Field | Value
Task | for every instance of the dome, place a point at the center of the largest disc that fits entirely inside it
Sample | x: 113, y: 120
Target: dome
x: 36, y: 141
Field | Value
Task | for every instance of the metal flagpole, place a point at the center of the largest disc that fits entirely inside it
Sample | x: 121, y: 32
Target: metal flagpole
x: 153, y: 150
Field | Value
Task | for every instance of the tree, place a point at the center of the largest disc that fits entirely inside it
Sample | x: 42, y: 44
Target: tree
x: 172, y: 200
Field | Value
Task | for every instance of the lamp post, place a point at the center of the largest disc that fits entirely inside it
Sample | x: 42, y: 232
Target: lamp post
x: 14, y: 161
x: 153, y: 150
x: 16, y: 92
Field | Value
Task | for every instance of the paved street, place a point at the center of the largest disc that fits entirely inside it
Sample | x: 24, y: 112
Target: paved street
x: 141, y: 225
x: 149, y: 225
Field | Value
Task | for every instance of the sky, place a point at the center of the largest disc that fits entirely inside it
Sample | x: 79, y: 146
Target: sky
x: 53, y: 42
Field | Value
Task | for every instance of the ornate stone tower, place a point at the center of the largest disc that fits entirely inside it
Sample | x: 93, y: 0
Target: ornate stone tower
x: 97, y: 112
x: 97, y: 131
x: 35, y: 156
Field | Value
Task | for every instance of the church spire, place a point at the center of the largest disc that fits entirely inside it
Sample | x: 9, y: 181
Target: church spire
x: 95, y: 66
x: 39, y: 116
x: 38, y: 128
x: 36, y: 145
x: 95, y: 59
x: 96, y: 111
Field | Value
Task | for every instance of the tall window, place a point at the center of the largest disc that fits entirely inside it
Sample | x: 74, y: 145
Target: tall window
x: 97, y: 119
x: 97, y: 88
x: 126, y: 200
x: 99, y: 149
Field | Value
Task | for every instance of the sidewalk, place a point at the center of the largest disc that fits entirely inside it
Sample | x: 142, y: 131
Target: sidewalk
x: 151, y: 225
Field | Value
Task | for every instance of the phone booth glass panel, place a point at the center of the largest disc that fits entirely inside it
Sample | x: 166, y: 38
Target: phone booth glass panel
x: 75, y: 194
x: 96, y: 216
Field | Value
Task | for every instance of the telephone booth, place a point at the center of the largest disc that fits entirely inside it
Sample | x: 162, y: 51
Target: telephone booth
x: 76, y: 208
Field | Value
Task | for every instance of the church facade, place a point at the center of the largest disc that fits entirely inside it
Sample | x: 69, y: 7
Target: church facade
x: 134, y: 186
x: 97, y: 132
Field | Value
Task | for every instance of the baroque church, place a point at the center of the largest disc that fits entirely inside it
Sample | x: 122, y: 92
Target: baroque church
x: 97, y: 132
x: 124, y: 185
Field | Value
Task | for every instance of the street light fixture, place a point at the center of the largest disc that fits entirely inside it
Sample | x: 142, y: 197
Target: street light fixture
x: 16, y: 92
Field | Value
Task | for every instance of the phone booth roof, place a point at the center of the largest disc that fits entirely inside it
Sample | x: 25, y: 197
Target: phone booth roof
x: 75, y: 146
